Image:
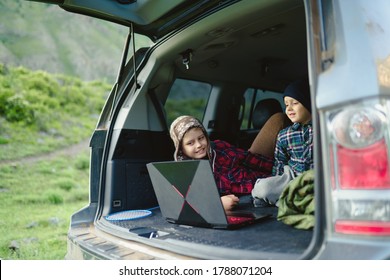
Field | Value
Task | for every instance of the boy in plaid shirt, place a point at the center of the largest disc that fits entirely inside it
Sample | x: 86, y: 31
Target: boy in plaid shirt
x: 294, y: 145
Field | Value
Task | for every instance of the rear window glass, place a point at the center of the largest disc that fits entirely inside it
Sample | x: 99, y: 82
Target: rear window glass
x: 252, y: 96
x: 187, y: 97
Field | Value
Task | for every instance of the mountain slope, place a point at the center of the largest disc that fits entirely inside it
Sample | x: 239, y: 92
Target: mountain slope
x: 45, y: 37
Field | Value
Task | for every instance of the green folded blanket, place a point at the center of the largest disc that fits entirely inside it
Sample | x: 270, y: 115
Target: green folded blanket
x: 296, y: 203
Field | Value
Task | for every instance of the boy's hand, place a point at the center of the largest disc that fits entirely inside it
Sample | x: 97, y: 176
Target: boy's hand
x: 229, y: 201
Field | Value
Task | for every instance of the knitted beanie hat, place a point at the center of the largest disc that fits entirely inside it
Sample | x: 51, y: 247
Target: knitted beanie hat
x: 178, y: 128
x: 300, y: 91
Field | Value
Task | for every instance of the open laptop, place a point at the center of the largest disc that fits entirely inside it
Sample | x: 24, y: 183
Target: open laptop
x: 187, y: 194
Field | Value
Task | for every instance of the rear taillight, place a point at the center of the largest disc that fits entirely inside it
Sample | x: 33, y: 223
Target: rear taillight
x: 358, y: 138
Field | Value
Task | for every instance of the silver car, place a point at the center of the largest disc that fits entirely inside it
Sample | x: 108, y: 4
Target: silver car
x: 222, y: 61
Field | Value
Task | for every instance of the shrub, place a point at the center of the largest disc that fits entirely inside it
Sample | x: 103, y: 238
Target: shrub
x: 54, y: 110
x: 82, y: 163
x: 66, y: 184
x: 3, y: 141
x: 18, y: 109
x: 5, y: 94
x: 54, y: 198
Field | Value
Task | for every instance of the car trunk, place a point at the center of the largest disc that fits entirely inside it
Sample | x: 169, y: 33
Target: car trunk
x: 269, y: 239
x: 136, y: 137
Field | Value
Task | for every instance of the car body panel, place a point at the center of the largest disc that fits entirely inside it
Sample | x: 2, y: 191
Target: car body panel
x: 364, y: 29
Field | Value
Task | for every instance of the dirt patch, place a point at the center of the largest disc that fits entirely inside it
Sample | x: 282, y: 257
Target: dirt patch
x: 68, y: 151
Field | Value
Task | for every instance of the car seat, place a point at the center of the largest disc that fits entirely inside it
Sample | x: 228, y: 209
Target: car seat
x: 263, y: 110
x: 269, y: 118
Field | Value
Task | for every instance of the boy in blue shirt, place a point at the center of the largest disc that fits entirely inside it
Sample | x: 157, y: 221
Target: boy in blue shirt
x: 294, y: 145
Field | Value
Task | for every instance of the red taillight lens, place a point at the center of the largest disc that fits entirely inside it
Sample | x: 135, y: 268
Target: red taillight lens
x: 366, y: 168
x: 363, y: 227
x: 362, y: 158
x: 359, y: 156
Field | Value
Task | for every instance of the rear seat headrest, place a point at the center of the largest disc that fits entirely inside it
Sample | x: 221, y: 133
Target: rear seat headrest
x: 263, y: 110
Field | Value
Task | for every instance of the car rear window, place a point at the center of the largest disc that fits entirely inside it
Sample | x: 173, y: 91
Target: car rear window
x: 187, y: 97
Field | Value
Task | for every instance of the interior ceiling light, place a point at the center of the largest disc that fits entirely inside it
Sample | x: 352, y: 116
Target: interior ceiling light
x: 268, y: 31
x: 223, y: 45
x: 216, y: 33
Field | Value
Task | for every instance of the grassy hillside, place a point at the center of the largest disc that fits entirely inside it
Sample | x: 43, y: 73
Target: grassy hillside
x: 56, y: 69
x: 45, y: 37
x: 37, y: 201
x: 41, y: 112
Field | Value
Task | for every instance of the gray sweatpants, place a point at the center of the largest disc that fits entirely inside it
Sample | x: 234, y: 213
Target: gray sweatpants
x: 267, y: 191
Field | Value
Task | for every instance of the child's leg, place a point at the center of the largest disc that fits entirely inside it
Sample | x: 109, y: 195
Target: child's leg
x: 265, y: 140
x: 269, y: 189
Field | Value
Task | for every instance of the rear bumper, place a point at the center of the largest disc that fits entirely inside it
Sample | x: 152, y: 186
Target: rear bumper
x: 88, y: 243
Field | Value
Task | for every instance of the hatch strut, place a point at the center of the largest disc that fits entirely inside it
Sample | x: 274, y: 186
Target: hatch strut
x: 134, y: 58
x: 130, y: 36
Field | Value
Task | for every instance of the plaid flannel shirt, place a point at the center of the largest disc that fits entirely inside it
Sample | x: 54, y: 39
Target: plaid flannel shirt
x: 236, y: 170
x: 294, y: 147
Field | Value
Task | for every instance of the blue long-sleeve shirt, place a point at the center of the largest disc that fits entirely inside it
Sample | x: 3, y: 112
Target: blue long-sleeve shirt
x: 294, y: 147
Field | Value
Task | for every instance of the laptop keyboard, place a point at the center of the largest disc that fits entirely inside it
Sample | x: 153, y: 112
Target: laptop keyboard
x: 238, y: 220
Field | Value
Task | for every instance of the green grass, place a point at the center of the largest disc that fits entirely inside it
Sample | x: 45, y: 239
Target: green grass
x: 37, y: 201
x: 41, y: 113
